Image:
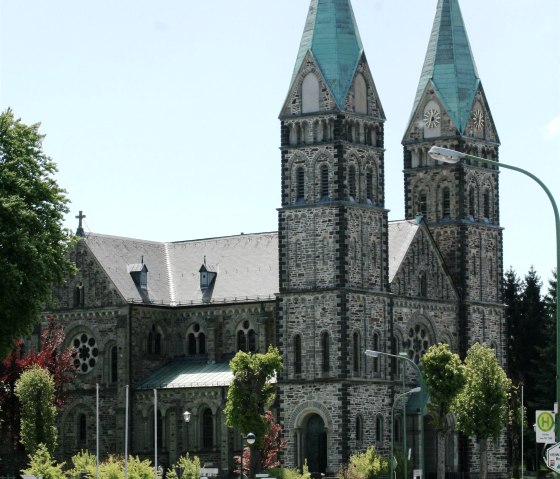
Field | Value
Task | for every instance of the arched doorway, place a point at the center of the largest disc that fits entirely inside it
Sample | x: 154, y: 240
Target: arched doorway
x: 315, y: 444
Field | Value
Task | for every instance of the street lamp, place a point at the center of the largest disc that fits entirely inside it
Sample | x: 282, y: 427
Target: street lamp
x: 250, y: 438
x: 187, y: 418
x: 425, y: 397
x: 451, y: 156
x: 405, y: 456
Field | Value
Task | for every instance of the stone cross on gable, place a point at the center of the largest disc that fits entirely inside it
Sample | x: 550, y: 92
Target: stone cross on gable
x: 80, y: 230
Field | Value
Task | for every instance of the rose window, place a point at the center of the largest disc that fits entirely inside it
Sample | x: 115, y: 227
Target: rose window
x: 417, y: 343
x: 85, y: 354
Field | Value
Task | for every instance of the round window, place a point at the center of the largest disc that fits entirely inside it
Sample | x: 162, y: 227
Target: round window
x: 86, y: 352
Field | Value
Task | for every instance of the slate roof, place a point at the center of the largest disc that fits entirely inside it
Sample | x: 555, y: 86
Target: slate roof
x: 449, y: 64
x: 332, y: 36
x: 246, y: 266
x: 401, y: 235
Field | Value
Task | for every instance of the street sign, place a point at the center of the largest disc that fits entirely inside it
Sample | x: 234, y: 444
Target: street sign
x: 553, y: 457
x: 544, y: 427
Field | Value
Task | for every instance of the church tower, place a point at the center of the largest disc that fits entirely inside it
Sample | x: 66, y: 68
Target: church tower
x: 333, y: 236
x: 460, y: 203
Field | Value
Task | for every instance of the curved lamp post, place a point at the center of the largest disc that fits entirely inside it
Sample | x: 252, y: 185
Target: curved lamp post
x: 405, y: 456
x: 425, y: 397
x: 451, y: 156
x: 250, y: 438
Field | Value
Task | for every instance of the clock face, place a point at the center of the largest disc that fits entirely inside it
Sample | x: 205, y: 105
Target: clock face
x: 478, y: 119
x: 431, y: 118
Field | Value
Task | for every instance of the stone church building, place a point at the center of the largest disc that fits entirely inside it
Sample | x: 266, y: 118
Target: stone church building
x: 337, y: 277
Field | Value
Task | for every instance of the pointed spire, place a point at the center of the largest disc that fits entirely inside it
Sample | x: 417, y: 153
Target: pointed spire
x: 449, y: 64
x: 332, y: 36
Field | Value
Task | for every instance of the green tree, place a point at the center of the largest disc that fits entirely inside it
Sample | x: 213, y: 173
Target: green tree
x: 251, y: 393
x: 42, y: 464
x: 35, y: 391
x: 33, y: 243
x: 444, y: 375
x: 365, y: 465
x: 512, y: 300
x: 481, y: 406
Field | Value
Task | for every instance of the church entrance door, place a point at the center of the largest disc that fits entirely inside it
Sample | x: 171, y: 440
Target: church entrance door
x: 316, y: 444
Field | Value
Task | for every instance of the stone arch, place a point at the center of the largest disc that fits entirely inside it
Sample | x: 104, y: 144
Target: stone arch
x: 70, y: 440
x: 310, y: 93
x: 298, y: 160
x: 322, y: 158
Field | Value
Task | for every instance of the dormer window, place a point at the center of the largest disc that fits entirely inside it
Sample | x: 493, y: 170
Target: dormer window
x: 139, y: 274
x: 207, y: 275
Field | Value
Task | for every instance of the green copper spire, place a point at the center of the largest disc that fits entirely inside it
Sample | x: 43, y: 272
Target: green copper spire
x: 332, y: 37
x: 449, y: 64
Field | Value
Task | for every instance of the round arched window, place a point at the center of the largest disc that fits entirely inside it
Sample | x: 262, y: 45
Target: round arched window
x: 418, y: 342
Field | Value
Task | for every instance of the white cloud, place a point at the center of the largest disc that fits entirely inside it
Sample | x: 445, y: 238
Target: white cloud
x: 552, y: 129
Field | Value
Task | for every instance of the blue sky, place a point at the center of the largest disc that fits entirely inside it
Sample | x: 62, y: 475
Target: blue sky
x: 163, y: 116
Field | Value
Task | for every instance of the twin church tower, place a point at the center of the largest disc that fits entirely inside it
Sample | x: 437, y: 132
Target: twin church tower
x: 349, y: 279
x: 164, y: 319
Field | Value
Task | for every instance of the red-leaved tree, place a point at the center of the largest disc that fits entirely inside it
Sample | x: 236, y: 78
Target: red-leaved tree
x: 272, y: 445
x: 50, y: 357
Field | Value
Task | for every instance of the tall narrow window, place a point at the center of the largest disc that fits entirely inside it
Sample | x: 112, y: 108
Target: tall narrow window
x: 359, y: 429
x: 352, y: 182
x: 325, y: 350
x: 114, y: 365
x: 201, y: 343
x: 486, y: 205
x: 297, y: 354
x: 191, y: 344
x: 154, y: 341
x: 395, y: 351
x: 357, y: 352
x: 446, y: 202
x: 376, y: 348
x: 241, y: 341
x: 369, y: 186
x: 324, y: 181
x: 360, y: 94
x: 422, y: 285
x: 423, y: 204
x: 252, y: 340
x: 379, y: 429
x: 207, y: 429
x: 82, y: 428
x: 310, y: 94
x: 472, y: 210
x: 300, y: 185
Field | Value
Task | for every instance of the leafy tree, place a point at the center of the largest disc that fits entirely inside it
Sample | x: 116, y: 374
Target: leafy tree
x: 190, y: 468
x: 50, y: 357
x: 365, y: 465
x: 43, y: 465
x: 272, y: 445
x: 482, y: 404
x: 35, y: 391
x: 444, y: 375
x: 251, y: 393
x: 33, y: 242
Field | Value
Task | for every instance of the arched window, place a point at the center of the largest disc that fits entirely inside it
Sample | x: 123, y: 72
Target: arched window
x: 252, y: 340
x: 114, y: 365
x: 359, y: 429
x: 352, y: 182
x: 423, y: 203
x: 397, y: 429
x: 486, y: 204
x: 246, y: 338
x: 325, y: 352
x: 395, y: 351
x: 310, y: 94
x: 379, y: 429
x: 360, y: 94
x: 154, y: 341
x: 191, y: 344
x: 446, y: 202
x: 241, y: 341
x: 422, y: 285
x: 357, y: 351
x: 201, y: 343
x: 300, y: 184
x: 472, y: 206
x: 160, y: 434
x: 324, y: 181
x: 369, y: 186
x: 376, y: 348
x: 82, y: 428
x: 297, y: 354
x: 207, y: 429
x: 79, y: 296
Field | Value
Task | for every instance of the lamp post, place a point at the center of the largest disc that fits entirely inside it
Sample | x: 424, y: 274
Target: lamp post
x: 451, y: 156
x: 250, y: 438
x: 405, y: 458
x: 187, y: 418
x: 425, y: 397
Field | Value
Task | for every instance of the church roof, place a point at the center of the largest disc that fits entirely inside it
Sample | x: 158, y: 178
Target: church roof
x: 246, y: 267
x: 183, y: 373
x: 401, y: 235
x: 332, y: 36
x: 449, y: 64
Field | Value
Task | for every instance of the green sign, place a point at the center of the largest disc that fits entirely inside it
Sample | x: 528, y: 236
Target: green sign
x: 545, y: 421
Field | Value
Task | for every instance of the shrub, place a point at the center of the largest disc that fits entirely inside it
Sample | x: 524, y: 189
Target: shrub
x: 43, y: 465
x: 83, y: 462
x: 190, y: 467
x: 364, y: 465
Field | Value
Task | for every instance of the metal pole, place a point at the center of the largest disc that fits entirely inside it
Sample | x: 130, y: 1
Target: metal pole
x: 392, y: 458
x: 155, y: 435
x: 405, y: 455
x: 399, y: 396
x: 452, y: 156
x: 126, y: 432
x: 97, y: 431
